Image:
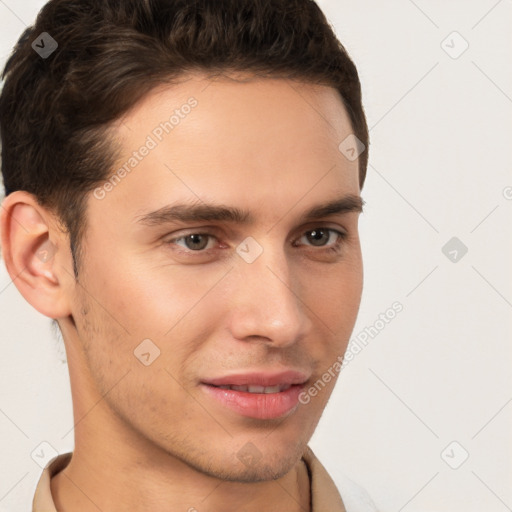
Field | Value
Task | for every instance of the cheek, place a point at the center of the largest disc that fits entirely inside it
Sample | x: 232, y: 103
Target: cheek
x: 333, y: 301
x: 151, y: 296
x: 135, y: 390
x: 335, y: 295
x: 164, y: 311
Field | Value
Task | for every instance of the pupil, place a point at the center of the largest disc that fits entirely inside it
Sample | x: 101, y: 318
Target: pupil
x: 317, y: 233
x: 196, y: 239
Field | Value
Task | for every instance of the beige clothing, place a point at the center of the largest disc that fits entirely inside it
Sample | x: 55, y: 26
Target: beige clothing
x: 324, y: 494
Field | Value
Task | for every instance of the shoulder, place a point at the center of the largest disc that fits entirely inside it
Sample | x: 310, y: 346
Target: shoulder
x: 343, y: 495
x: 355, y: 497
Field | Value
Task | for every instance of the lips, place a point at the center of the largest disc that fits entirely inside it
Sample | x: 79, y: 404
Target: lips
x: 260, y: 395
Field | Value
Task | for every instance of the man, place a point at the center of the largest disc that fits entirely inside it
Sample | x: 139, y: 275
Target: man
x: 183, y: 187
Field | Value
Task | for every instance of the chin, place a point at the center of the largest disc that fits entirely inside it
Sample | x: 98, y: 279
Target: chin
x: 270, y: 463
x: 260, y: 472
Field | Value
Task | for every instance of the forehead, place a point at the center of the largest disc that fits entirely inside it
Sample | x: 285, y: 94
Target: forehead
x: 224, y: 100
x: 240, y: 142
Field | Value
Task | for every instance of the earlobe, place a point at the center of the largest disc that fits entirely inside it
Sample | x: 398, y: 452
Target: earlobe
x: 30, y: 255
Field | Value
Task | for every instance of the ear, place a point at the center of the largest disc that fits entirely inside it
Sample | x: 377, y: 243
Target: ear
x: 36, y: 254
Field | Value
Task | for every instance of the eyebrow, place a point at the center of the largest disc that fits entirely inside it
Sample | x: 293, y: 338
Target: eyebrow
x: 203, y: 212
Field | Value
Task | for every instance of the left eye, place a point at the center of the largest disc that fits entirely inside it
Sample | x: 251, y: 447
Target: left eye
x: 318, y: 236
x: 194, y: 241
x: 197, y: 242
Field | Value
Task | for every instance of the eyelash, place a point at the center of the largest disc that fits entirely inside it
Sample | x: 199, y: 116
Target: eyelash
x: 342, y: 236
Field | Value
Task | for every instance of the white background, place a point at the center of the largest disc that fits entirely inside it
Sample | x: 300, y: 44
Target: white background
x: 440, y: 165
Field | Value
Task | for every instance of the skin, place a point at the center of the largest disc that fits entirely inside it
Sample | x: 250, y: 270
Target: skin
x: 148, y: 437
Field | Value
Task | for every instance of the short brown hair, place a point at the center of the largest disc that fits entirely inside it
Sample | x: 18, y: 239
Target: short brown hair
x: 55, y: 112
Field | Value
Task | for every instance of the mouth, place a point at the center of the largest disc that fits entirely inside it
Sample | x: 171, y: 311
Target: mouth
x: 266, y: 390
x: 257, y: 395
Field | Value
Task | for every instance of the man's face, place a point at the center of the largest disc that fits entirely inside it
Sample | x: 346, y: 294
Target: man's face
x: 267, y: 304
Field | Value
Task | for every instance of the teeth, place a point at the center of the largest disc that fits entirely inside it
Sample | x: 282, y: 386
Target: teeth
x: 259, y: 389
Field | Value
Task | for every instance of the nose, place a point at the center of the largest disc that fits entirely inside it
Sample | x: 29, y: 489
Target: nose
x: 266, y: 303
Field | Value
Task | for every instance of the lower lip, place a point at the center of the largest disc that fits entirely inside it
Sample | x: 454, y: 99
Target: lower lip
x: 263, y: 406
